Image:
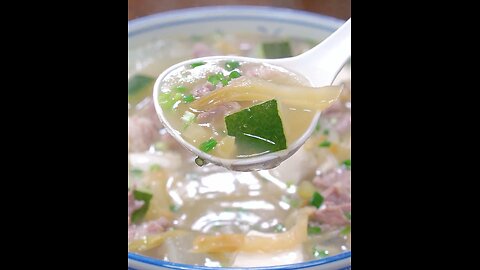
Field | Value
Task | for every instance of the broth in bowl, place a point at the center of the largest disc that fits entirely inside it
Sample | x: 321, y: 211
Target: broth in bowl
x: 211, y: 216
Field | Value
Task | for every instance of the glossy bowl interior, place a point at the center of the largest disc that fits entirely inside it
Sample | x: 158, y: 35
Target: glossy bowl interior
x: 241, y: 19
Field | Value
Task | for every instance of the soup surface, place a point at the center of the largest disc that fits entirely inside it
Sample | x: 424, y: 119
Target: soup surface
x: 210, y: 216
x: 209, y: 105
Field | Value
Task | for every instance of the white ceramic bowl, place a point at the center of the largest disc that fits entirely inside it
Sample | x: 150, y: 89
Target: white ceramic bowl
x: 240, y: 19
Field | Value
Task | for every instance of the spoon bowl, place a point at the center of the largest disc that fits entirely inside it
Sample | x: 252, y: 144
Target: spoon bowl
x: 319, y: 66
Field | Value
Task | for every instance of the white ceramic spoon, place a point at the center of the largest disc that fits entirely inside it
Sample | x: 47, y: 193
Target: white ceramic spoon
x: 319, y: 66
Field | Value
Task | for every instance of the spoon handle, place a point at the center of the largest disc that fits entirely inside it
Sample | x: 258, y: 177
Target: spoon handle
x: 322, y: 63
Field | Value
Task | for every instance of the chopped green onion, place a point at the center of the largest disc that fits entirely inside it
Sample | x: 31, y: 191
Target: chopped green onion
x: 208, y: 145
x: 155, y: 168
x: 214, y: 79
x: 279, y: 228
x: 218, y: 78
x: 294, y: 203
x: 290, y: 184
x: 137, y: 173
x: 200, y: 162
x: 174, y: 208
x: 347, y: 163
x: 141, y: 196
x: 164, y: 98
x: 314, y: 230
x: 176, y: 100
x: 348, y: 215
x: 318, y: 127
x: 235, y: 209
x: 346, y: 230
x: 197, y: 64
x: 180, y: 88
x: 217, y: 227
x: 225, y: 81
x: 196, y: 37
x: 326, y: 132
x: 188, y: 98
x: 169, y: 100
x: 160, y: 146
x: 319, y: 253
x: 234, y: 74
x: 317, y: 200
x: 231, y: 65
x: 188, y: 118
x: 325, y: 144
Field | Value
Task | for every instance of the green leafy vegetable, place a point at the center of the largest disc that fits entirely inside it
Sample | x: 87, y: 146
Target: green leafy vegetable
x: 208, y: 145
x: 231, y: 65
x: 139, y: 86
x: 348, y: 215
x: 197, y: 64
x: 277, y: 50
x: 325, y: 143
x: 140, y: 213
x: 317, y: 200
x: 259, y: 127
x: 138, y: 83
x: 326, y: 132
x: 314, y: 230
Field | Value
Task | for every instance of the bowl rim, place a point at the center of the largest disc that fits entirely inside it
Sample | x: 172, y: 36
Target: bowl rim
x: 302, y: 265
x: 171, y: 18
x: 148, y: 23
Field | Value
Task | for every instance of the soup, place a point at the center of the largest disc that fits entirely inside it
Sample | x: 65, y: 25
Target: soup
x: 210, y: 216
x: 234, y: 109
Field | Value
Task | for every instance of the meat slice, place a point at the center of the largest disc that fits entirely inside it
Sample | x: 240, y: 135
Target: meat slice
x: 259, y: 71
x: 332, y: 214
x: 143, y: 127
x: 142, y: 132
x: 336, y: 177
x: 203, y: 89
x: 344, y: 121
x: 201, y: 50
x: 149, y: 112
x: 133, y: 205
x: 335, y: 187
x: 148, y: 228
x: 217, y: 112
